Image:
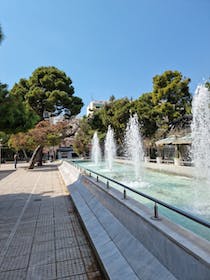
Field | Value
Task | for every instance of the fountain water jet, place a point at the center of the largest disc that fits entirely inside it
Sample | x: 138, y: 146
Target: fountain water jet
x: 133, y: 145
x: 95, y: 150
x: 110, y: 148
x: 201, y: 132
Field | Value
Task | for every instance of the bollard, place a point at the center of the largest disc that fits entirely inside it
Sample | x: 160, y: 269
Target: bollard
x: 124, y: 194
x: 107, y: 184
x: 156, y: 211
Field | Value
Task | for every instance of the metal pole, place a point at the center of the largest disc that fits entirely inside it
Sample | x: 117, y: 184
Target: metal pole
x: 124, y: 194
x: 97, y: 178
x: 156, y: 211
x: 107, y: 184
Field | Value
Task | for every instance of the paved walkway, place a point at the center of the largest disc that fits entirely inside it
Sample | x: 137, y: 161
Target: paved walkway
x: 40, y: 235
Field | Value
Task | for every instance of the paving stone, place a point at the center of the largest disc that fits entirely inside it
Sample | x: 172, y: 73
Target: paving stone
x: 64, y: 233
x: 44, y: 237
x: 48, y: 232
x: 45, y: 272
x: 24, y: 242
x: 40, y: 258
x: 76, y: 277
x: 85, y: 251
x: 70, y: 268
x: 66, y: 242
x: 42, y: 229
x: 12, y: 263
x: 63, y: 227
x: 45, y: 222
x: 13, y: 275
x: 43, y: 246
x: 63, y: 220
x: 20, y: 250
x: 68, y: 254
x: 81, y: 239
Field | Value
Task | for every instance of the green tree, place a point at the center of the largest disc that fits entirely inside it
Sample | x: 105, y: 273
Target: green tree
x: 146, y: 114
x: 50, y: 90
x: 82, y: 139
x: 116, y: 114
x: 171, y: 98
x: 15, y: 116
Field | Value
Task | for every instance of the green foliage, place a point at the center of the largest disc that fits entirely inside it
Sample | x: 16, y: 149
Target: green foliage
x: 171, y: 97
x: 146, y: 114
x: 83, y: 138
x: 116, y: 114
x: 15, y: 116
x: 48, y: 89
x: 207, y: 84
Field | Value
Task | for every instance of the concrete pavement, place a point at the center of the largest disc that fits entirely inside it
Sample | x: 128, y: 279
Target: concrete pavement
x: 40, y: 234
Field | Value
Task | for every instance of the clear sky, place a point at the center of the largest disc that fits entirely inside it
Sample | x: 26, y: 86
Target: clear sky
x: 107, y: 47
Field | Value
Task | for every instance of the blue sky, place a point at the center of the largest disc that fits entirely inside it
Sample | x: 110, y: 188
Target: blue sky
x: 107, y: 47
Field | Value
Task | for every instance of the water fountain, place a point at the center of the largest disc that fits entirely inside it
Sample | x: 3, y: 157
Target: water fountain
x: 110, y: 148
x: 201, y: 132
x: 133, y: 145
x: 96, y: 150
x: 179, y: 191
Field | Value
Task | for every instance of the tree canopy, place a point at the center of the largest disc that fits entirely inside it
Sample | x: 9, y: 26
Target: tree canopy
x: 15, y: 116
x: 48, y: 90
x: 171, y: 98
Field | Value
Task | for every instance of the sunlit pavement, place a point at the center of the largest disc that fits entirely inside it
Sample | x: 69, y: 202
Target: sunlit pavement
x: 40, y: 234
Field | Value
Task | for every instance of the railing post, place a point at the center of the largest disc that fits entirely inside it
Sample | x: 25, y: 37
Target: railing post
x: 90, y: 174
x: 124, y: 194
x: 107, y: 184
x: 156, y: 211
x: 97, y: 178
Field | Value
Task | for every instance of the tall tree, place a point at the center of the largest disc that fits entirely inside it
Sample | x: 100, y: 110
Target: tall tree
x: 48, y: 90
x: 171, y: 98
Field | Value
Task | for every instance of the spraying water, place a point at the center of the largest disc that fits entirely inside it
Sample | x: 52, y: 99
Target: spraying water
x: 201, y: 132
x: 133, y: 145
x: 110, y: 148
x: 96, y: 150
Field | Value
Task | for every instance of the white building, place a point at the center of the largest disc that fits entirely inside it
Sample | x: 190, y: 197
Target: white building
x: 95, y: 105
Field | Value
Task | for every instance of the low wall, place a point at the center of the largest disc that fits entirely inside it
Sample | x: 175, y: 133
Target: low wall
x: 187, y: 171
x: 184, y: 254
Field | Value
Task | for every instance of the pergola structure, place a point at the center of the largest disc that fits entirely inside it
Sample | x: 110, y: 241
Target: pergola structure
x: 174, y: 148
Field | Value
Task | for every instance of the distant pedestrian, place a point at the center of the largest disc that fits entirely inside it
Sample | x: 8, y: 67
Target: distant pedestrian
x: 15, y: 160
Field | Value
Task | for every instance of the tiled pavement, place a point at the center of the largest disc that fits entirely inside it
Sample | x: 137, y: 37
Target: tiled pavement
x: 40, y: 234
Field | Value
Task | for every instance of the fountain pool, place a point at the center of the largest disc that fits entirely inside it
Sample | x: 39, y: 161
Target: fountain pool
x: 182, y: 192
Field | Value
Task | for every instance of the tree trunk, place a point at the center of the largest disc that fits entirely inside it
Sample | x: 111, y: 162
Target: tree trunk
x: 36, y: 157
x: 25, y: 155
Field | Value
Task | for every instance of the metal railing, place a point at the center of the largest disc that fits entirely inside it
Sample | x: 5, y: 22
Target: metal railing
x: 155, y: 200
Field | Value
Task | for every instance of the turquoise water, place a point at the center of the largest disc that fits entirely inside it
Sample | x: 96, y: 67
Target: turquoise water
x: 185, y: 193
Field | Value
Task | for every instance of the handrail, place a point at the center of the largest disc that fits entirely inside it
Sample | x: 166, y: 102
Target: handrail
x: 157, y: 201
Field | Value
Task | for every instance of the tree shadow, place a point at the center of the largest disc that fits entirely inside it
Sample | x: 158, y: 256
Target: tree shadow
x: 5, y: 173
